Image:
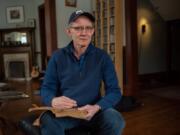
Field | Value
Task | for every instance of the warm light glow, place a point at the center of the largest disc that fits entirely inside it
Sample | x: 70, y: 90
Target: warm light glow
x: 143, y: 21
x: 144, y: 31
x: 143, y: 26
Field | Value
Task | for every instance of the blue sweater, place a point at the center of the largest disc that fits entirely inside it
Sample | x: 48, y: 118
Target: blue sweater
x: 81, y: 79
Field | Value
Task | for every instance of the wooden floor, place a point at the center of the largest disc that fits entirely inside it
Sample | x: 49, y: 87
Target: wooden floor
x: 157, y: 115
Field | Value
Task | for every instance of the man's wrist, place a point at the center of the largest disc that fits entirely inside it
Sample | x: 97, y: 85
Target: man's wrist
x: 98, y: 107
x: 52, y: 101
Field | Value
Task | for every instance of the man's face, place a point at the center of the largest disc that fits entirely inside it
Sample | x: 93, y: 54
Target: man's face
x: 81, y: 31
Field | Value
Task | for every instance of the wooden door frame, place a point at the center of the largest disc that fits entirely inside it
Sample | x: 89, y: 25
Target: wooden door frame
x: 131, y: 50
x: 51, y: 30
x: 130, y: 61
x: 42, y: 30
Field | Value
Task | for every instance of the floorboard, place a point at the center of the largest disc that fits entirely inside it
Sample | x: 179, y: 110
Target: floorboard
x: 157, y: 116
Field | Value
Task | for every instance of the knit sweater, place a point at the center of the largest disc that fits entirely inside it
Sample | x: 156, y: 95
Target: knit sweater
x: 80, y: 79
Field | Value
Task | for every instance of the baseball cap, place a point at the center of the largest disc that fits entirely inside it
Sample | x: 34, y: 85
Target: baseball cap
x: 79, y: 13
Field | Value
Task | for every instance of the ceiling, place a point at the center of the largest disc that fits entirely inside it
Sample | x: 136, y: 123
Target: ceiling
x: 168, y: 9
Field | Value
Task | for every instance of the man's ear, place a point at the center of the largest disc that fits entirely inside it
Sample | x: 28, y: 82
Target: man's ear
x: 93, y: 31
x: 68, y: 32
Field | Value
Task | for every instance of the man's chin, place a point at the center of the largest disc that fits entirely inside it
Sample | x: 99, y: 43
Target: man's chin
x: 84, y: 44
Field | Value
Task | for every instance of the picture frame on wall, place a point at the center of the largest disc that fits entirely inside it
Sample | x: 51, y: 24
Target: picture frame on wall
x: 15, y: 14
x: 71, y: 3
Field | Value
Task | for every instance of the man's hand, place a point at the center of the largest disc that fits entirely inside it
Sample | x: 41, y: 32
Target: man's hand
x: 91, y: 109
x: 63, y: 102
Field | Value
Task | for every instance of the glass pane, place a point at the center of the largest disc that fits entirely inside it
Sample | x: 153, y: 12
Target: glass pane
x: 17, y: 37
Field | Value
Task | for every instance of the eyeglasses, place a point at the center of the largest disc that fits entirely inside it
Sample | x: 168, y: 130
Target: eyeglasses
x: 81, y: 28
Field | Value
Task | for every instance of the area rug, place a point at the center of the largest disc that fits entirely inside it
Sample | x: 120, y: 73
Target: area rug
x: 172, y: 92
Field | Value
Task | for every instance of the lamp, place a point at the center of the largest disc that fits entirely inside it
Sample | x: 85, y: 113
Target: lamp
x: 143, y: 28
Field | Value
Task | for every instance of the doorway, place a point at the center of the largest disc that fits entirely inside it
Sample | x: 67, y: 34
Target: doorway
x: 42, y: 29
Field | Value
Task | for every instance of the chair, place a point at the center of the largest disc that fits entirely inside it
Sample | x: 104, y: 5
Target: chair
x: 27, y: 127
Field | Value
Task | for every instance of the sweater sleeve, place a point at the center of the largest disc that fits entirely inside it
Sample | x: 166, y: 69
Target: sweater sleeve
x: 112, y: 90
x: 50, y: 82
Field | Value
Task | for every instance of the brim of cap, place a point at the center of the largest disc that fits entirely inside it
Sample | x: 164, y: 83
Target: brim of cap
x: 86, y: 14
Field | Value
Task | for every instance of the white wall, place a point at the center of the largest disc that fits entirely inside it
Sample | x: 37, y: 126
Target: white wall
x: 152, y: 44
x: 62, y: 15
x: 37, y: 3
x: 29, y: 12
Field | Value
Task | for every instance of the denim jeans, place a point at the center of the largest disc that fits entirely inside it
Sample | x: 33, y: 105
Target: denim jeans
x: 107, y: 122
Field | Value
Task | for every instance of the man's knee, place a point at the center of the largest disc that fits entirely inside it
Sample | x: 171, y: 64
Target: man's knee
x: 46, y: 117
x: 113, y: 118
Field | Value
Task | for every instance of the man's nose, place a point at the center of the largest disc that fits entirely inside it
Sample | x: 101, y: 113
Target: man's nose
x: 84, y: 30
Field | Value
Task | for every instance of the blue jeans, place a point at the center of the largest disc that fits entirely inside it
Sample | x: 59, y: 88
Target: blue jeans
x: 107, y: 122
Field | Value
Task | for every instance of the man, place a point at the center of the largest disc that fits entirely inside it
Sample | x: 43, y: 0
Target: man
x: 73, y: 79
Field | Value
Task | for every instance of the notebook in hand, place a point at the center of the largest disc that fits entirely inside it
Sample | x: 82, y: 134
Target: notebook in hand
x: 73, y: 112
